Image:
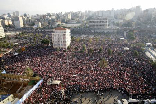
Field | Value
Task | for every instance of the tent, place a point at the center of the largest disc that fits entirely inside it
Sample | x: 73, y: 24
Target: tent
x: 133, y: 100
x: 125, y: 101
x: 16, y: 54
x: 54, y: 82
x: 3, y: 72
x: 121, y: 38
x: 126, y: 48
x: 148, y: 44
x: 74, y: 75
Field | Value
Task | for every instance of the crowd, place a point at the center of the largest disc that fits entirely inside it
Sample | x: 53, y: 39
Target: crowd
x: 80, y: 72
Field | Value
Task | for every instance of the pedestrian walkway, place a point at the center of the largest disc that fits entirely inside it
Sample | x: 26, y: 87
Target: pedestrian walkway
x: 103, y: 98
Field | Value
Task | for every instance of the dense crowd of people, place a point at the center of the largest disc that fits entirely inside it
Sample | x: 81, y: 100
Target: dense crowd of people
x: 80, y: 71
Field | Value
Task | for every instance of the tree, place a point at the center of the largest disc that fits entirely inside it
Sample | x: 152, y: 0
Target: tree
x: 59, y: 25
x: 136, y: 53
x: 83, y: 48
x: 140, y: 45
x: 119, y: 54
x: 90, y: 40
x: 72, y: 38
x: 57, y: 49
x: 109, y: 52
x: 68, y: 47
x: 78, y: 39
x: 29, y: 72
x: 90, y: 50
x: 154, y: 65
x: 130, y: 36
x: 100, y: 50
x: 45, y: 41
x: 103, y: 63
x: 97, y: 39
x: 34, y: 39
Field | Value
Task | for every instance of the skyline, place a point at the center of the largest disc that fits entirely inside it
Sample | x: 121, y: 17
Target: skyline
x: 51, y: 6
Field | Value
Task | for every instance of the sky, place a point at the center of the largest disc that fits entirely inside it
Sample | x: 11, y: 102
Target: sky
x: 53, y: 6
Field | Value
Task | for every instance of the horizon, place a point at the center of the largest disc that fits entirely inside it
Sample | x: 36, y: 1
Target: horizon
x: 33, y: 7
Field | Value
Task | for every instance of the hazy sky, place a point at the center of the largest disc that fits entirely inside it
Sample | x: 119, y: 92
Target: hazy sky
x: 41, y: 6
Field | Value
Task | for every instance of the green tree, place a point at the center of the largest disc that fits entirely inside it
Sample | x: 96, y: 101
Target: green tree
x: 68, y: 47
x: 100, y: 50
x: 109, y: 52
x: 57, y: 49
x: 78, y: 39
x: 136, y: 53
x: 72, y: 38
x: 83, y: 48
x: 140, y: 45
x: 45, y: 41
x: 29, y: 72
x: 90, y: 40
x: 4, y: 45
x: 90, y: 50
x: 154, y: 65
x: 103, y: 63
x: 130, y: 36
x: 96, y: 39
x: 119, y: 54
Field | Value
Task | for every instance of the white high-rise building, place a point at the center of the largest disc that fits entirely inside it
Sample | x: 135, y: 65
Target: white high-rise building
x: 61, y: 37
x: 18, y: 22
x: 16, y: 13
x: 2, y: 34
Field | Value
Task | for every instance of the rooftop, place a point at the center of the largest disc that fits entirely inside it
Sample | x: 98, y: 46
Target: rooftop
x: 60, y: 28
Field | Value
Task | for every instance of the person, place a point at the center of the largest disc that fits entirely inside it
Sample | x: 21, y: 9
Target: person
x: 81, y: 72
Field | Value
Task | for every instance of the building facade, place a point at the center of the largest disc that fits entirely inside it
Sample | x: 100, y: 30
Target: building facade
x: 16, y: 13
x: 37, y: 24
x: 18, y: 22
x: 2, y: 34
x: 61, y: 37
x: 98, y: 23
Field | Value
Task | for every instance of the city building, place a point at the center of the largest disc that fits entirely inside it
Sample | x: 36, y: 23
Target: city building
x: 37, y: 24
x: 6, y: 22
x: 18, y: 22
x: 99, y: 23
x: 16, y: 13
x: 61, y: 37
x: 2, y: 34
x: 71, y: 25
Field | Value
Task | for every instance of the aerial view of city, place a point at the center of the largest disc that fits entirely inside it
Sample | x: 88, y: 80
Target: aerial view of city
x: 77, y: 52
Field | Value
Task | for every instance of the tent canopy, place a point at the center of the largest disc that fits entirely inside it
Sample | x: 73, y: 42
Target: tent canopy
x: 3, y: 72
x: 16, y: 54
x: 126, y: 48
x: 56, y: 82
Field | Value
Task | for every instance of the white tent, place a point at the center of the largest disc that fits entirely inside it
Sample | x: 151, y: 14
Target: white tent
x: 56, y: 82
x: 3, y: 72
x: 148, y: 44
x: 74, y: 75
x: 153, y: 101
x: 132, y: 100
x: 125, y: 101
x: 121, y: 38
x: 16, y: 54
x: 126, y: 48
